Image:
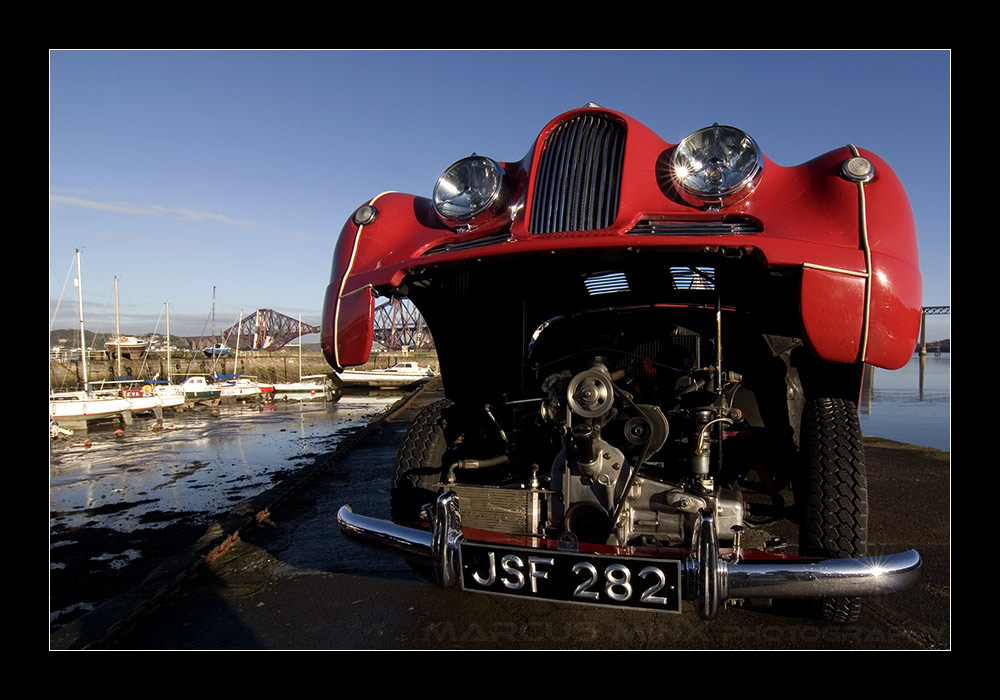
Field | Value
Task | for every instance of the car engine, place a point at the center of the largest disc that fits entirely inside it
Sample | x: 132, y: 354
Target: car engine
x: 637, y: 443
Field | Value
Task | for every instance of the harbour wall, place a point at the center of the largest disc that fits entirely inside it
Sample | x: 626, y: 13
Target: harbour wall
x: 267, y: 367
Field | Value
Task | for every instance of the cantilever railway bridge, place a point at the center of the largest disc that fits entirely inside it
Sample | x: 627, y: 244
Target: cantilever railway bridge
x: 398, y: 324
x: 266, y: 329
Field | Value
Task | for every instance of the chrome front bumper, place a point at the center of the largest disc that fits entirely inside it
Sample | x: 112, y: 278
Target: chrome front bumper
x: 707, y: 578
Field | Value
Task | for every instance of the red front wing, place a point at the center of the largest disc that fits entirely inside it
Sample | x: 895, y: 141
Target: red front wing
x: 854, y: 245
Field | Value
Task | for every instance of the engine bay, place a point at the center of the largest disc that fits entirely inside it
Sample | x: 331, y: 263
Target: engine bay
x: 622, y: 448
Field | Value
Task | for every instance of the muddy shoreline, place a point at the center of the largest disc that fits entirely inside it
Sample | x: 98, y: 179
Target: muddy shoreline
x: 123, y: 505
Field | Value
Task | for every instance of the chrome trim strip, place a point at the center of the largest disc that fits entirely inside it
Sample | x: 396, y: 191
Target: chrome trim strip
x: 359, y: 289
x: 866, y: 249
x: 668, y: 227
x: 838, y: 270
x: 343, y: 283
x: 454, y: 247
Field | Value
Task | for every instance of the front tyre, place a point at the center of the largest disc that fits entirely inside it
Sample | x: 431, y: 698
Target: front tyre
x: 835, y: 518
x: 420, y: 464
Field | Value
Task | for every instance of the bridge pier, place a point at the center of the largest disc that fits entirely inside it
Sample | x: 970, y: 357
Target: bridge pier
x: 923, y: 333
x: 924, y: 313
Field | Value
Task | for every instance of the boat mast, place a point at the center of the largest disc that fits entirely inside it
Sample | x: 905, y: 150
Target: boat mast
x: 300, y: 347
x: 168, y: 342
x: 83, y: 340
x: 118, y: 335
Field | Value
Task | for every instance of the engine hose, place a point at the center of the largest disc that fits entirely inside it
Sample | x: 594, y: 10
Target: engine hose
x: 474, y: 464
x: 704, y: 430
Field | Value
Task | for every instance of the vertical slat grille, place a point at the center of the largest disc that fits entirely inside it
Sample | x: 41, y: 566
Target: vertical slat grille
x: 579, y: 174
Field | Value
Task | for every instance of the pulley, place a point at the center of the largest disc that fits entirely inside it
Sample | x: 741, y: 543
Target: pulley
x: 591, y: 393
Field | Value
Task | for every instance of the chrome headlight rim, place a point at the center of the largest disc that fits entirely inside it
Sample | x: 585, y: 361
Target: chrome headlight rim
x: 738, y: 172
x: 487, y: 195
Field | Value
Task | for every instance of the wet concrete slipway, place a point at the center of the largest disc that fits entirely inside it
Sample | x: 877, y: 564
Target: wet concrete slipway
x: 276, y: 574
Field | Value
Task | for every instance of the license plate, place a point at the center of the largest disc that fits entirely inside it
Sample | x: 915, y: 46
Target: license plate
x: 573, y: 577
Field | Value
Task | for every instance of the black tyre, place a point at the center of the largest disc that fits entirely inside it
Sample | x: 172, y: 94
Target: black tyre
x: 420, y: 464
x: 835, y: 491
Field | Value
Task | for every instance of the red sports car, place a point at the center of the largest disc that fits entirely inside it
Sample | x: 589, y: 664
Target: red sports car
x: 672, y: 328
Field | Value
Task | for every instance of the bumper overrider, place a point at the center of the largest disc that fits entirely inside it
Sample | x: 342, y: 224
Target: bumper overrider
x: 705, y: 576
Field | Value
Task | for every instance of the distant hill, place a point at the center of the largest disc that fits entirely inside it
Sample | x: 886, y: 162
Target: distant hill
x: 938, y: 346
x: 70, y: 338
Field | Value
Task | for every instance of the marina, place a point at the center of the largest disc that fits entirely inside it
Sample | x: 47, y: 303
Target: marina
x: 119, y: 500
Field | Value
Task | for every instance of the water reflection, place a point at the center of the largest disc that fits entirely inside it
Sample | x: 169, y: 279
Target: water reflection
x: 912, y: 404
x: 195, y: 463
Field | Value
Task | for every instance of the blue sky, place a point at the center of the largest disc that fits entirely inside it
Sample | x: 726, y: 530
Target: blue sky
x: 180, y: 171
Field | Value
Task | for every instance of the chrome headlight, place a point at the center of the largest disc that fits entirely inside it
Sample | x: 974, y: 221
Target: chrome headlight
x: 469, y: 190
x: 717, y: 164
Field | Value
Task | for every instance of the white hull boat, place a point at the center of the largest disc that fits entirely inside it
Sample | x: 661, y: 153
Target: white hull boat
x: 236, y: 388
x: 81, y: 406
x: 126, y: 346
x: 198, y: 389
x: 149, y: 397
x: 217, y: 350
x: 239, y: 391
x: 399, y: 375
x: 316, y: 386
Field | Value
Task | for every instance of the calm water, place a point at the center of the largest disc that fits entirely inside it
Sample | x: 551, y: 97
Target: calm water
x: 907, y: 409
x: 203, y: 463
x: 198, y: 463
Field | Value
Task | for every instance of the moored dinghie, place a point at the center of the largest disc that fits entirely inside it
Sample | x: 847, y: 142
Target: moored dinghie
x: 217, y: 350
x: 310, y: 386
x: 197, y: 389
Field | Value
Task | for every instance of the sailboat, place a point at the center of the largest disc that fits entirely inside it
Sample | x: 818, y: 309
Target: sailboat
x: 312, y: 386
x: 143, y: 396
x: 218, y: 349
x: 237, y: 386
x: 79, y: 407
x: 123, y: 345
x: 170, y: 392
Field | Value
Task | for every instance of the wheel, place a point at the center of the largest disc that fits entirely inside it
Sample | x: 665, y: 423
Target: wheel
x: 420, y: 463
x: 835, y: 518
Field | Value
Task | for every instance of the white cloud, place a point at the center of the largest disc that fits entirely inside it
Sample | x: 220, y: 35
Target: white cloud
x: 184, y: 214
